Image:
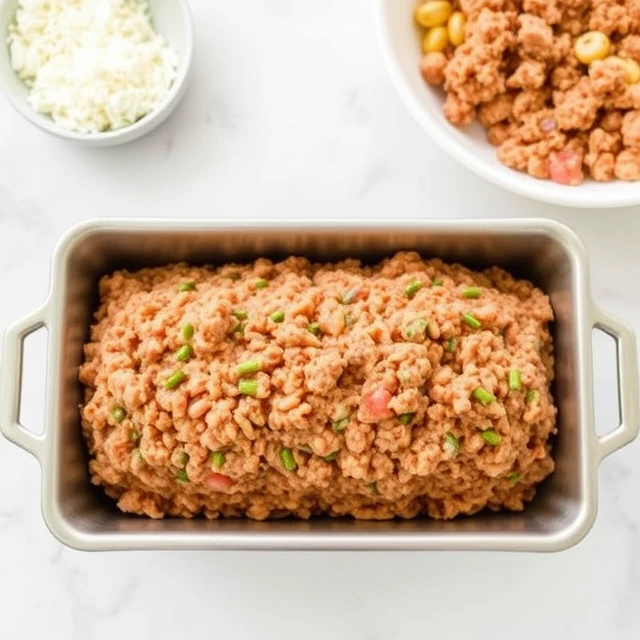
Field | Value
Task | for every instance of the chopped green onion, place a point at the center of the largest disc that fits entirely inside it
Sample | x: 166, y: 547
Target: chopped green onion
x: 532, y: 396
x: 187, y: 331
x: 138, y: 454
x: 187, y: 286
x: 412, y: 288
x: 373, y: 488
x: 416, y: 327
x: 406, y: 418
x: 118, y: 414
x: 248, y: 387
x: 239, y: 328
x: 515, y: 380
x: 314, y: 328
x: 514, y: 477
x: 287, y: 459
x: 471, y: 292
x: 261, y: 283
x: 240, y: 314
x: 450, y: 345
x: 437, y: 282
x: 249, y: 367
x: 471, y: 321
x: 182, y: 477
x: 340, y: 425
x: 184, y: 458
x: 331, y: 457
x: 451, y: 444
x: 218, y: 459
x: 483, y: 396
x: 277, y: 316
x: 184, y: 353
x: 134, y: 435
x: 175, y: 380
x: 491, y: 437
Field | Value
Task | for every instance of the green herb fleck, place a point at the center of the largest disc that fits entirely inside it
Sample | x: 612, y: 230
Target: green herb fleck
x: 416, y: 328
x: 340, y: 425
x: 412, y: 288
x: 249, y: 367
x: 314, y: 328
x: 218, y: 459
x: 118, y: 414
x: 515, y: 380
x: 483, y: 396
x: 471, y: 292
x: 175, y: 380
x: 451, y: 444
x: 277, y: 316
x: 261, y: 283
x: 187, y: 331
x: 406, y: 418
x: 287, y: 459
x: 491, y: 437
x: 182, y: 477
x: 184, y: 353
x: 187, y: 286
x: 373, y: 489
x: 471, y: 321
x: 248, y: 387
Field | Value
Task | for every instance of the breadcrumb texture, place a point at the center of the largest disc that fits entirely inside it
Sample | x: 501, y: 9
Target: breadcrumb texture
x: 334, y: 399
x: 548, y: 115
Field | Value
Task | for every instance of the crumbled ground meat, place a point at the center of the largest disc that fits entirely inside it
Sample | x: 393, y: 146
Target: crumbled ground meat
x: 518, y: 62
x: 362, y: 404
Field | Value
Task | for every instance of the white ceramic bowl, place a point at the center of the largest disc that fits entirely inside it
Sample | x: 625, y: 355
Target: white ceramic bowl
x: 171, y: 19
x: 400, y: 43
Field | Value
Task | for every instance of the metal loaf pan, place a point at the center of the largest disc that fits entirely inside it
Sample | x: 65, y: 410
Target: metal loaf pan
x: 543, y: 251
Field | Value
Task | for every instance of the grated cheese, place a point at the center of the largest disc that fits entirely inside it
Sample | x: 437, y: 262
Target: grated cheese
x: 93, y: 65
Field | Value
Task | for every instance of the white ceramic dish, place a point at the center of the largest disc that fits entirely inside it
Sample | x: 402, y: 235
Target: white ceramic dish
x: 171, y: 18
x: 400, y: 43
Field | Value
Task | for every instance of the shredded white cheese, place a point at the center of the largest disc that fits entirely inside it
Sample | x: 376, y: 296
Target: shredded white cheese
x: 93, y: 65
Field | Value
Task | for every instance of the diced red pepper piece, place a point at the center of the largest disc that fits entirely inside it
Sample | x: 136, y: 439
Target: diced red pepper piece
x: 219, y: 481
x: 374, y: 405
x: 565, y: 167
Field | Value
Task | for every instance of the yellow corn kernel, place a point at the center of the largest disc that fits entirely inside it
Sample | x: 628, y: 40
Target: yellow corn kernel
x: 436, y: 39
x: 455, y: 28
x: 590, y: 46
x: 434, y: 13
x: 630, y: 67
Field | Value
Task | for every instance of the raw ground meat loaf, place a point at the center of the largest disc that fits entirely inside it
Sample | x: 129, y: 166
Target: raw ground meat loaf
x: 410, y: 387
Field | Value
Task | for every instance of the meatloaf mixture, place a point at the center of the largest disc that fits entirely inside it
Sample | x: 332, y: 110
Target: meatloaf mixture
x: 554, y: 82
x: 296, y: 389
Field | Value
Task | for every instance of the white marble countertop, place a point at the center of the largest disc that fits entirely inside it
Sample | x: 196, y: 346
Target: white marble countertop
x: 291, y: 113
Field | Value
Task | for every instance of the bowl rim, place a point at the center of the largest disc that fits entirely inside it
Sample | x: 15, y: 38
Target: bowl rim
x: 509, y: 179
x: 130, y: 132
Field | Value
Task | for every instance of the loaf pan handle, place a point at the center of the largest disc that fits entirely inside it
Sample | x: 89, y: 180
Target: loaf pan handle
x: 627, y: 371
x: 11, y: 382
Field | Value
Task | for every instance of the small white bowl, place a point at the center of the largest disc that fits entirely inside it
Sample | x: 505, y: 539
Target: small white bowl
x: 171, y: 19
x: 400, y: 43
